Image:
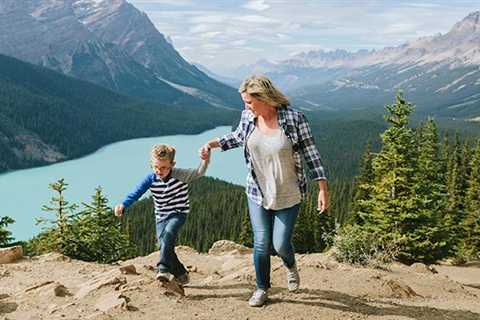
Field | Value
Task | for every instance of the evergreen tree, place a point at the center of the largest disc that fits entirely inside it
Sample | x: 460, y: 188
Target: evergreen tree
x: 58, y: 235
x: 470, y: 247
x: 99, y: 234
x: 246, y: 232
x: 456, y: 188
x: 430, y: 188
x: 397, y: 214
x: 363, y: 184
x: 5, y: 235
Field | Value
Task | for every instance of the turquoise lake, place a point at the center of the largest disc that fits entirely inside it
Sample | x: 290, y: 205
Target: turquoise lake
x: 117, y: 168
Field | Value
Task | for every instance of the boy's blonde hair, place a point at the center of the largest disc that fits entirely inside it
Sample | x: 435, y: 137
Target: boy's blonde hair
x: 263, y: 89
x: 162, y: 152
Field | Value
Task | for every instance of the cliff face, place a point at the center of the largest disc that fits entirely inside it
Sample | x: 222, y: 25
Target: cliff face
x: 109, y: 43
x: 55, y: 287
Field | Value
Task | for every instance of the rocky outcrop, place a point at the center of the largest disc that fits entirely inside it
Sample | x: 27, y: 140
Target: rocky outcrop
x: 10, y: 254
x: 226, y: 246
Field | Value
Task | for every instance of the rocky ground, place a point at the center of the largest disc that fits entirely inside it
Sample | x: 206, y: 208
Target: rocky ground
x: 55, y: 287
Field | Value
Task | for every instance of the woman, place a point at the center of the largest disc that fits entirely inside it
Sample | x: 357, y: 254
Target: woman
x: 274, y: 138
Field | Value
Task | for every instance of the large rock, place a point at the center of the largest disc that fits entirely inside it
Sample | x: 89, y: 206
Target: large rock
x: 423, y: 268
x: 10, y: 254
x: 227, y: 246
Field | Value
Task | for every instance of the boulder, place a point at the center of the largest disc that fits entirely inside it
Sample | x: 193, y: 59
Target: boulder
x: 129, y: 269
x: 423, y: 268
x: 10, y: 254
x: 227, y: 246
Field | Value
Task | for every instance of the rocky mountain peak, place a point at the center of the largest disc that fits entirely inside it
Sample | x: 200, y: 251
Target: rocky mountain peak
x: 468, y: 26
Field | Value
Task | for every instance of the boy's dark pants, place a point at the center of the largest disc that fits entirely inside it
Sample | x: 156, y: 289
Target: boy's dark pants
x: 167, y: 231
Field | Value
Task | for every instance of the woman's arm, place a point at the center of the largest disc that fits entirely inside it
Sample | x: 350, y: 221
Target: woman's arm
x: 230, y: 140
x: 314, y: 162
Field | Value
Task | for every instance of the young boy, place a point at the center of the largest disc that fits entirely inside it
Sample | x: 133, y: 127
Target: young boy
x: 169, y: 188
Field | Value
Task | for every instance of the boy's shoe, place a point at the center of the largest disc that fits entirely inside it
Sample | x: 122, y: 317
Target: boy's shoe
x: 293, y: 278
x: 258, y: 298
x: 183, y: 279
x: 163, y: 276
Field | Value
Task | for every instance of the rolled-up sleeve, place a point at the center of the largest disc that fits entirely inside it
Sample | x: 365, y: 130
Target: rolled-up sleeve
x: 235, y: 138
x: 309, y: 150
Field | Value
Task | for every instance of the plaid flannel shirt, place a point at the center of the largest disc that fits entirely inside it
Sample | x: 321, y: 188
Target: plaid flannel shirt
x: 297, y: 129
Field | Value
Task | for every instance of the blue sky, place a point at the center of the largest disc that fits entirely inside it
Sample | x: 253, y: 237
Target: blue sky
x: 224, y: 34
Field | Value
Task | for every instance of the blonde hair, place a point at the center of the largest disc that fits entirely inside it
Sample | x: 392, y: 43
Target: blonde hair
x: 162, y: 152
x: 262, y: 88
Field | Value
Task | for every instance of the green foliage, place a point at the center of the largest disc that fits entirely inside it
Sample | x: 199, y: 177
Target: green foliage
x: 99, y: 233
x: 60, y: 229
x: 313, y: 231
x: 406, y: 192
x: 93, y: 234
x: 357, y: 246
x: 363, y: 185
x: 5, y: 235
x: 470, y: 246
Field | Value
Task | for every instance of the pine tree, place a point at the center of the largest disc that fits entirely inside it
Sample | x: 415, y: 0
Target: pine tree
x: 363, y: 188
x: 58, y: 235
x: 456, y: 187
x: 396, y: 210
x: 5, y: 235
x: 430, y: 188
x: 246, y: 232
x: 470, y: 247
x: 99, y: 233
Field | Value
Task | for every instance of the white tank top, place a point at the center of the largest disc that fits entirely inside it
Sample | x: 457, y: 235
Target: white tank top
x: 274, y: 167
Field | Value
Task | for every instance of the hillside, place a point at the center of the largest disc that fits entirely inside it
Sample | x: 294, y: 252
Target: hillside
x: 46, y: 116
x: 109, y: 43
x: 54, y: 287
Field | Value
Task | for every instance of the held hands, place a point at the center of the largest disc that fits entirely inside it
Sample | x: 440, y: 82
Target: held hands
x: 118, y: 210
x: 204, y: 152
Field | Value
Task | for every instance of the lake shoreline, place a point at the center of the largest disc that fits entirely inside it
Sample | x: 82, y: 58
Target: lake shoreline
x: 117, y: 168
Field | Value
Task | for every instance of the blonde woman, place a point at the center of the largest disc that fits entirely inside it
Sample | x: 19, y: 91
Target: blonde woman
x: 275, y: 138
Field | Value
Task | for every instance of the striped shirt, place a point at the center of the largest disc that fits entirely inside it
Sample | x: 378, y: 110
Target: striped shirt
x: 170, y: 195
x: 296, y: 128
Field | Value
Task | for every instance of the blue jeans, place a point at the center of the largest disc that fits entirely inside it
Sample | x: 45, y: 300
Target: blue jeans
x: 167, y: 231
x: 272, y: 229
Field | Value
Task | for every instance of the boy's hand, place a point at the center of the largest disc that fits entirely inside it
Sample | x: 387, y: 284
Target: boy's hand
x: 205, y: 152
x: 118, y: 210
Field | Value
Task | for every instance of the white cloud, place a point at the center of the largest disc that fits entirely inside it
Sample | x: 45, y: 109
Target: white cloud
x: 246, y: 31
x: 257, y: 5
x: 209, y: 35
x: 252, y: 18
x: 164, y: 2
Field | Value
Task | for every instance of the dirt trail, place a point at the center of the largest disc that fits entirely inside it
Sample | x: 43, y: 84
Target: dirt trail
x: 55, y: 287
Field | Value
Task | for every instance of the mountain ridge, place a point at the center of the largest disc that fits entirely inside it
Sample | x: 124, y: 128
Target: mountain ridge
x: 67, y: 36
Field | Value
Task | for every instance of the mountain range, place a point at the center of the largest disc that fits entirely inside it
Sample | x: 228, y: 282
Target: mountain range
x: 47, y: 117
x: 440, y: 74
x: 109, y: 43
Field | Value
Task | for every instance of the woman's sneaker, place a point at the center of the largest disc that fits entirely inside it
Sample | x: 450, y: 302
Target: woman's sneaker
x: 293, y: 278
x: 183, y: 279
x: 258, y: 298
x: 163, y: 276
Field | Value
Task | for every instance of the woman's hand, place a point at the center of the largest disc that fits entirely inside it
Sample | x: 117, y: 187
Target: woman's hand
x: 322, y: 204
x: 204, y: 152
x: 205, y: 149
